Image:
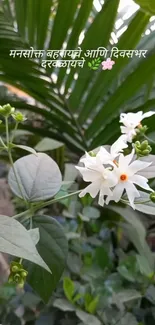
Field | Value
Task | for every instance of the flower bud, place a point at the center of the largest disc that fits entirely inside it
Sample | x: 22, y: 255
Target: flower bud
x: 141, y: 129
x: 144, y: 145
x: 16, y: 278
x: 142, y: 149
x: 15, y: 267
x: 6, y: 110
x: 10, y: 279
x: 152, y: 197
x: 92, y: 154
x: 18, y: 117
x: 23, y: 273
x: 21, y: 283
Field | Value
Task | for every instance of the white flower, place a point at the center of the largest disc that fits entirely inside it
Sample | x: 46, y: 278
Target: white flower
x: 131, y: 121
x: 127, y: 174
x: 115, y: 150
x: 101, y: 178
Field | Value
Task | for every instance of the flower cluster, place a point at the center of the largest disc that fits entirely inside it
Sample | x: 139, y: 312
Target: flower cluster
x: 17, y: 274
x: 112, y: 173
x: 7, y: 111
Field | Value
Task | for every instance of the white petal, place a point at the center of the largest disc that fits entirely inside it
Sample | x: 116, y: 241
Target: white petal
x: 128, y: 132
x: 148, y: 172
x: 118, y: 146
x: 87, y: 160
x: 124, y: 161
x: 137, y: 165
x: 131, y: 119
x: 148, y: 114
x: 141, y: 181
x: 117, y: 192
x: 88, y: 174
x: 92, y: 189
x: 111, y: 178
x: 124, y: 129
x: 132, y: 193
x: 104, y: 156
x: 103, y: 192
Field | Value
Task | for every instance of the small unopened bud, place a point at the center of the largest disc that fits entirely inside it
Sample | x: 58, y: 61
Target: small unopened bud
x: 92, y: 154
x: 152, y: 197
x: 21, y: 283
x: 23, y: 273
x: 16, y: 278
x: 6, y: 110
x: 142, y: 149
x: 15, y: 269
x: 18, y: 117
x: 10, y: 279
x: 144, y: 145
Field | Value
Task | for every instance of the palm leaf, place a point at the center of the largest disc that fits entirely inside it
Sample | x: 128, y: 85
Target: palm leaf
x: 82, y: 111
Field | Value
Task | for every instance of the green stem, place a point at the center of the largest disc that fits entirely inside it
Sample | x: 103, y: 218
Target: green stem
x: 14, y: 131
x: 10, y: 158
x: 7, y: 131
x: 3, y: 144
x: 16, y: 216
x: 45, y: 204
x: 150, y: 140
x: 127, y: 202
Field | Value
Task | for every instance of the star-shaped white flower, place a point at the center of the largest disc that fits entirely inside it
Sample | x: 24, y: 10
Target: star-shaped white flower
x: 108, y: 157
x: 130, y: 123
x: 102, y: 179
x: 128, y: 175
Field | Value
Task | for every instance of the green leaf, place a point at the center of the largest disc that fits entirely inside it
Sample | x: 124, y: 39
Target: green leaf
x: 39, y: 177
x: 69, y: 288
x: 31, y: 150
x: 87, y: 319
x: 17, y: 241
x: 91, y: 212
x: 35, y: 235
x: 92, y: 306
x: 125, y: 91
x: 126, y: 295
x: 149, y: 207
x: 150, y: 294
x: 144, y: 266
x: 63, y: 304
x: 103, y: 21
x: 127, y: 319
x: 48, y: 144
x: 59, y: 31
x: 104, y: 82
x: 94, y: 68
x: 89, y: 64
x: 52, y: 247
x: 127, y: 274
x: 147, y: 5
x: 136, y: 232
x: 102, y: 257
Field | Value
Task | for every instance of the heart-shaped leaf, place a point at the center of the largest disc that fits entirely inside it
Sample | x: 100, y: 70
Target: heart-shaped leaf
x: 17, y: 241
x: 39, y: 177
x: 53, y: 248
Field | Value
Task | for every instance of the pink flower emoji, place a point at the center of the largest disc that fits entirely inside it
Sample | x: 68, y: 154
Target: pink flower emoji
x: 108, y: 64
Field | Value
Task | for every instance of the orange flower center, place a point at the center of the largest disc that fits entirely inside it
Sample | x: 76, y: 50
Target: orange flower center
x: 123, y: 177
x: 115, y: 162
x: 139, y: 126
